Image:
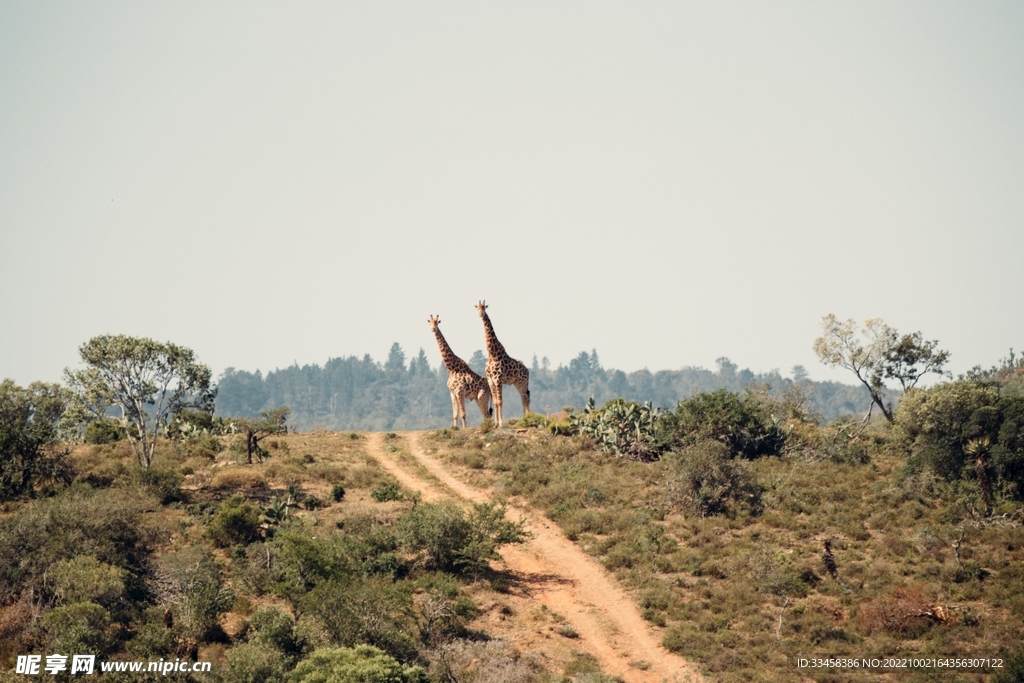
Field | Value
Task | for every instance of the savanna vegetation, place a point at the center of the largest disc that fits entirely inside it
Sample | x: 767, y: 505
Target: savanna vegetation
x: 750, y: 529
x: 753, y: 532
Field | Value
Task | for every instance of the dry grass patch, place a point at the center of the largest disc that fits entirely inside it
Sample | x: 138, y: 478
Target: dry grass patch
x: 238, y: 478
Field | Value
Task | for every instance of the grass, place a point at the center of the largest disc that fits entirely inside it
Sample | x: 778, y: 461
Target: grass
x: 716, y: 587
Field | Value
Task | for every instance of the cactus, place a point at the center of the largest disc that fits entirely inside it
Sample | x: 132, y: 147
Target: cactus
x: 622, y: 427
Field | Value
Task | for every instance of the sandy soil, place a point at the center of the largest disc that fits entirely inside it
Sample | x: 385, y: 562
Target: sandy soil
x: 561, y: 580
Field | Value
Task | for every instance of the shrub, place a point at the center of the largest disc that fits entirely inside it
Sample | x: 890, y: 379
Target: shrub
x: 190, y: 583
x: 164, y: 484
x: 103, y: 432
x: 271, y: 627
x: 533, y: 421
x: 1013, y: 671
x: 81, y: 627
x: 80, y: 521
x: 966, y: 430
x: 482, y: 662
x: 905, y: 612
x: 386, y: 492
x: 359, y: 664
x: 741, y: 423
x: 86, y: 579
x: 237, y: 521
x: 337, y: 493
x: 374, y: 610
x: 452, y: 541
x: 29, y: 452
x: 704, y: 480
x: 255, y: 663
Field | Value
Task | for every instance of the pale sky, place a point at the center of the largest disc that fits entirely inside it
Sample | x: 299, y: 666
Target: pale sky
x: 666, y: 182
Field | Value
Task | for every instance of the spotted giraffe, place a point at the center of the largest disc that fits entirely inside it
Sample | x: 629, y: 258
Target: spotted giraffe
x: 503, y: 369
x: 463, y: 383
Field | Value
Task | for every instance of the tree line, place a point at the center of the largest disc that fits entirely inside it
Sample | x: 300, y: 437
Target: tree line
x: 361, y: 393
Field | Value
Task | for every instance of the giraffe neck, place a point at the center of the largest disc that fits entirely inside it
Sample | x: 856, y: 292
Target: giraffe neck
x: 494, y: 347
x: 451, y: 361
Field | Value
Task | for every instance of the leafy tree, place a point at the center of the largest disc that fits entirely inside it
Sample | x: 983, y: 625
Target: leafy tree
x: 148, y: 382
x: 886, y: 355
x: 29, y: 452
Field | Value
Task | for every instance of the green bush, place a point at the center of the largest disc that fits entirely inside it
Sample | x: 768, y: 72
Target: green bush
x: 237, y: 522
x: 452, y: 541
x: 271, y: 627
x: 79, y: 521
x: 80, y: 627
x: 1013, y: 672
x: 190, y: 583
x: 86, y: 579
x: 704, y: 480
x: 164, y: 484
x: 374, y: 610
x: 255, y: 663
x: 29, y: 453
x: 337, y: 493
x: 103, y: 432
x: 741, y: 422
x: 386, y: 492
x: 951, y: 427
x: 152, y: 638
x: 359, y: 664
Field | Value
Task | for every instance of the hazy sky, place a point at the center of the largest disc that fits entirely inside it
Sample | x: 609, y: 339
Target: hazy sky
x: 666, y: 182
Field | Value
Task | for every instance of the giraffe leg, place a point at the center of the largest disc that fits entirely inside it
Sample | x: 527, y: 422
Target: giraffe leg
x: 455, y: 411
x: 496, y: 397
x: 482, y: 400
x: 524, y: 394
x: 462, y: 410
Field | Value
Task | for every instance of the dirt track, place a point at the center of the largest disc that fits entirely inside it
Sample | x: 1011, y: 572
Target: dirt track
x: 562, y: 577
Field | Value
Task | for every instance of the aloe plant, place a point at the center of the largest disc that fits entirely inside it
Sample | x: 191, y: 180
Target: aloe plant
x: 279, y: 511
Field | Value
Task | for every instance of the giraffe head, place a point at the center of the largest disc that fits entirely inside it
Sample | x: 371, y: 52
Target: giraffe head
x: 434, y: 321
x: 481, y: 308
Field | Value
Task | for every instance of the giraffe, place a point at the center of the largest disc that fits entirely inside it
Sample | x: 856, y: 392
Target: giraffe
x: 502, y: 369
x: 463, y: 383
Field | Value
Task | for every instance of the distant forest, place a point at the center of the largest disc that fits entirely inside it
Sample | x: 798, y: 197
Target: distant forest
x: 360, y: 393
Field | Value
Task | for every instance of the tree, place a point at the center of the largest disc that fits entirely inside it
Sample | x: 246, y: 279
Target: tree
x: 886, y: 355
x: 29, y: 452
x: 269, y: 422
x: 148, y: 382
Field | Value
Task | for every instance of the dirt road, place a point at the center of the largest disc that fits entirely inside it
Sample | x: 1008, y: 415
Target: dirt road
x: 568, y: 581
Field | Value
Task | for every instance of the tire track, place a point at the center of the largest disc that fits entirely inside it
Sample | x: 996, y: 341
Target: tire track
x: 564, y: 578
